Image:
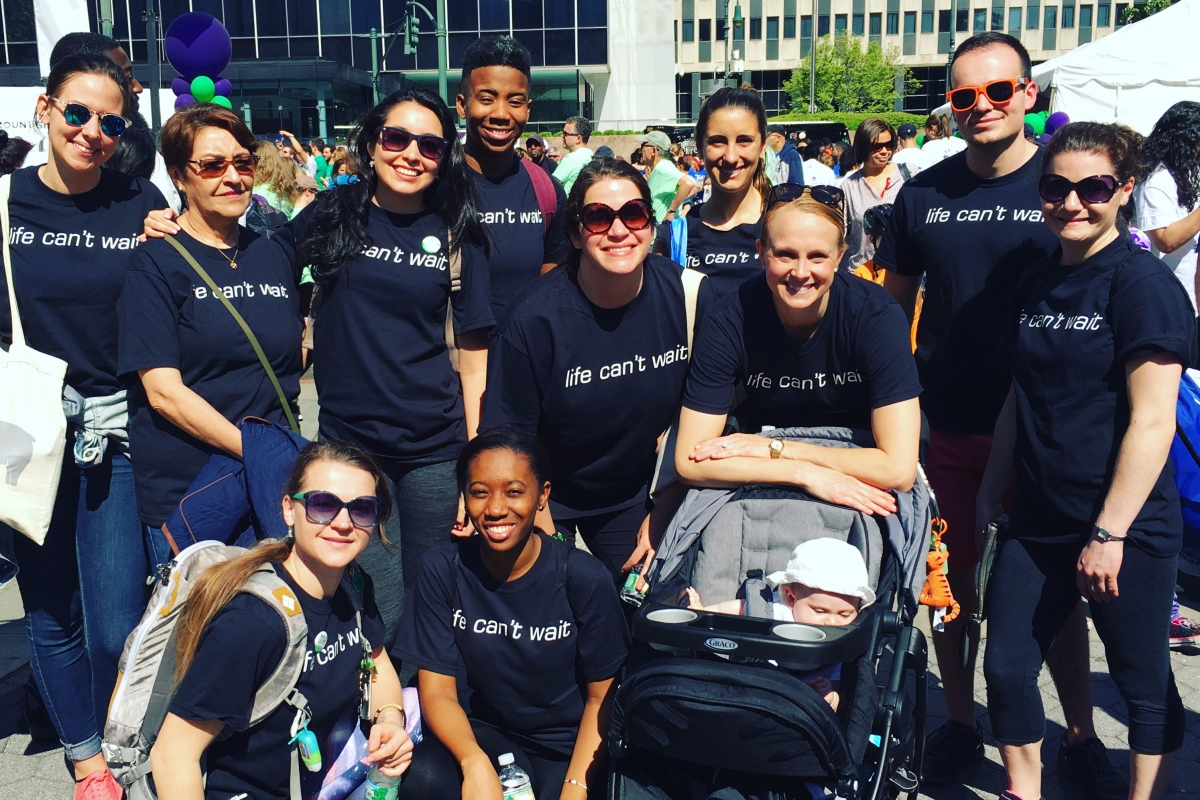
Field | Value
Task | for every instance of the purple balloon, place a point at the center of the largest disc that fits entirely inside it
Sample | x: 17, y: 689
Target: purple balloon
x: 183, y: 101
x: 1056, y: 121
x: 197, y: 44
x: 180, y: 87
x: 224, y: 88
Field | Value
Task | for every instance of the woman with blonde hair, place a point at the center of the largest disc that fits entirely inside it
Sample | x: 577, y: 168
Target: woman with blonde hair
x: 275, y: 180
x: 812, y: 345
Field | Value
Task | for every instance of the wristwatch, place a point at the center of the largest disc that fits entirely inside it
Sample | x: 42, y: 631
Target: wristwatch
x: 776, y: 448
x: 1103, y: 535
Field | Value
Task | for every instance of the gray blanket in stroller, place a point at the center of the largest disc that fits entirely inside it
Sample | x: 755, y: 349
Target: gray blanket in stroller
x: 907, y: 530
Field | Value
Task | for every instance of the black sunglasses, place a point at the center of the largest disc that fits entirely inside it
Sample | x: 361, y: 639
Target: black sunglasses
x: 882, y: 146
x: 598, y: 217
x: 1094, y: 190
x: 397, y: 140
x: 321, y: 508
x: 787, y: 192
x: 77, y: 115
x: 216, y: 167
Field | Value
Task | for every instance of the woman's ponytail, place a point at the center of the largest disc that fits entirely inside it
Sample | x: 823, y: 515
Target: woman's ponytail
x: 219, y: 584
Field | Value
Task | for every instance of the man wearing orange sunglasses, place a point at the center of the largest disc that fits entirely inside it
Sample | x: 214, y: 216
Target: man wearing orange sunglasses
x: 970, y: 225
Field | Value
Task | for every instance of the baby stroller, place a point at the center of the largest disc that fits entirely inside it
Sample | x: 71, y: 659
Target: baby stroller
x: 709, y: 706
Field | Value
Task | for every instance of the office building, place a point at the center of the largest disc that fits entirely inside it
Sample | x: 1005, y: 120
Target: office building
x: 776, y: 34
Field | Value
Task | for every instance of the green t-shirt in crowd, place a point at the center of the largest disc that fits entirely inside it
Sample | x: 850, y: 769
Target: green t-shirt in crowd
x: 664, y: 182
x: 569, y: 168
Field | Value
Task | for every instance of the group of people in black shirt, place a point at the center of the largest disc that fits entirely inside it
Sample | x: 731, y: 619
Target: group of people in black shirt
x: 1048, y: 356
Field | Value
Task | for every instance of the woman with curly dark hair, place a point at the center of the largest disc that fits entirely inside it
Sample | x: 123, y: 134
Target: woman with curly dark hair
x: 1166, y: 202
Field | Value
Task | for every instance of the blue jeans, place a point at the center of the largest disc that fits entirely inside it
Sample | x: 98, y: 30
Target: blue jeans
x: 84, y: 590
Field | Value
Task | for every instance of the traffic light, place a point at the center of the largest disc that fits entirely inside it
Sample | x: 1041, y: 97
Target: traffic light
x: 412, y: 30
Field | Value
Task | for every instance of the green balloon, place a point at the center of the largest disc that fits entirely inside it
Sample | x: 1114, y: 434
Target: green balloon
x: 921, y: 140
x: 203, y: 89
x: 1038, y: 123
x: 223, y: 101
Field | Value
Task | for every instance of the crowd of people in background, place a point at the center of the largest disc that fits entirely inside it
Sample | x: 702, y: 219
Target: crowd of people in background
x: 472, y: 309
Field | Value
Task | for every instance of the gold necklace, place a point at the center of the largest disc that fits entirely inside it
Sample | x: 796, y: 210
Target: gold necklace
x: 232, y: 261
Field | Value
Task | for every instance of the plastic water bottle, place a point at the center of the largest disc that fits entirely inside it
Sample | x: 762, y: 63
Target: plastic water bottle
x: 636, y: 587
x: 513, y: 780
x: 378, y: 786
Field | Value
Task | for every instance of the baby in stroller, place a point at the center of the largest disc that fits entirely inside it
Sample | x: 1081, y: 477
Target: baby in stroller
x: 825, y: 583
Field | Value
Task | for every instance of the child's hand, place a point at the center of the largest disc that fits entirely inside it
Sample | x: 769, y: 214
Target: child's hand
x: 824, y: 687
x: 694, y: 599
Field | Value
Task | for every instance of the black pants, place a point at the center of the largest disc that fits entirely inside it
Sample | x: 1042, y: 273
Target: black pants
x: 434, y: 774
x: 611, y: 537
x: 1032, y: 593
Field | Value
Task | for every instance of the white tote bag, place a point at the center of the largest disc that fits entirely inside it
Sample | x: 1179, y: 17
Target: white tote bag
x: 33, y: 429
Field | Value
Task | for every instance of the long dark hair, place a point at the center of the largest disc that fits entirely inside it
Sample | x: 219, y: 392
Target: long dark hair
x: 337, y: 229
x: 1175, y: 144
x: 748, y: 99
x: 221, y: 582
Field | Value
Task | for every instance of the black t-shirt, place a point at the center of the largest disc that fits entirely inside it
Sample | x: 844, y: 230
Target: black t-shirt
x: 858, y: 359
x: 1071, y: 331
x: 380, y: 360
x: 530, y: 646
x: 521, y: 242
x: 238, y: 651
x: 972, y: 238
x: 170, y: 318
x: 728, y: 258
x: 69, y: 254
x: 597, y: 386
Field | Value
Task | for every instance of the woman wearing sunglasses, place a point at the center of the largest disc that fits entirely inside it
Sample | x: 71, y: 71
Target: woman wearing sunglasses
x: 380, y: 250
x: 199, y: 373
x: 72, y: 228
x: 1098, y: 336
x: 592, y: 359
x: 811, y: 345
x: 718, y: 236
x: 533, y: 623
x: 230, y: 643
x: 875, y: 182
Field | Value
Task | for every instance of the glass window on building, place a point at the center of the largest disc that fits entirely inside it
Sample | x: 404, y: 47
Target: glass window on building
x: 1014, y: 21
x: 840, y: 24
x: 910, y: 33
x: 689, y: 30
x: 558, y: 13
x: 1050, y: 28
x: 806, y: 27
x: 1121, y: 9
x: 1032, y: 12
x: 997, y: 15
x: 772, y: 28
x: 463, y: 15
x: 789, y: 19
x: 706, y: 30
x: 1068, y: 16
x: 1103, y: 15
x: 876, y: 24
x: 823, y: 25
x: 980, y: 22
x: 860, y: 21
x: 1085, y: 16
x: 756, y: 28
x: 927, y: 9
x: 893, y: 23
x: 961, y: 20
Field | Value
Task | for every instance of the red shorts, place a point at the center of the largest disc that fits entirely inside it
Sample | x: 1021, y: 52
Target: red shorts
x: 955, y: 467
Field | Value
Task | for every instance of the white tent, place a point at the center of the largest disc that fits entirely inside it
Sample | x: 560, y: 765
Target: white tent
x: 1130, y: 76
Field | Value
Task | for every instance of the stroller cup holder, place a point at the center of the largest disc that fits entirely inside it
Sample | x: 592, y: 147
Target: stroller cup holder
x: 791, y: 645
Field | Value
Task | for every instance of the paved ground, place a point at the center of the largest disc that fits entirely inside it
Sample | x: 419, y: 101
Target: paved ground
x: 34, y: 771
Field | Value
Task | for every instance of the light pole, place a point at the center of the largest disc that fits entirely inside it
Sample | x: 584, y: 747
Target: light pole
x: 729, y: 37
x: 812, y: 61
x: 151, y: 17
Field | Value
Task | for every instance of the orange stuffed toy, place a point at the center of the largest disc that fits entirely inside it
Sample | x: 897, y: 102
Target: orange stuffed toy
x: 936, y: 591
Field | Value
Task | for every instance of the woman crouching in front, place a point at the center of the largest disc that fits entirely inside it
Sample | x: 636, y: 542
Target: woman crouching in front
x: 536, y: 626
x: 231, y: 642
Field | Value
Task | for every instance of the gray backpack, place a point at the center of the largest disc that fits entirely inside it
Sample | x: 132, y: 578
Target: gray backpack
x: 145, y: 685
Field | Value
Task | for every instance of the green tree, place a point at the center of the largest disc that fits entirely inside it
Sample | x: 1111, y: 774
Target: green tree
x: 850, y: 78
x: 1140, y: 11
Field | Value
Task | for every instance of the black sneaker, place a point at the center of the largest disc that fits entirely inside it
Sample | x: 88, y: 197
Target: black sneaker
x: 953, y: 754
x: 34, y: 719
x: 1087, y: 772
